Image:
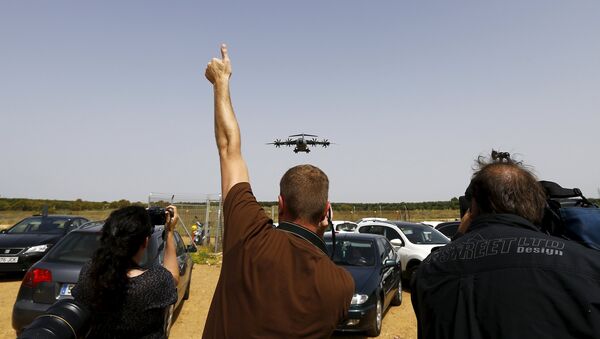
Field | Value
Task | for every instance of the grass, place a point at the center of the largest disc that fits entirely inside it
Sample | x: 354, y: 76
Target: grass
x: 205, y: 256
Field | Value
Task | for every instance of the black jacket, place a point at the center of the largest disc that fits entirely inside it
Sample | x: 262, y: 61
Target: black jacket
x: 505, y: 279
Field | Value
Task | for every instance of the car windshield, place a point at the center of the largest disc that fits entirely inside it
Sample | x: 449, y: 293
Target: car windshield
x: 76, y: 247
x: 40, y: 225
x: 346, y: 226
x: 423, y: 235
x: 353, y: 252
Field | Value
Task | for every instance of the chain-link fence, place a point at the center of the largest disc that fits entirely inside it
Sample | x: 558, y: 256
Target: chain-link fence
x: 203, y: 212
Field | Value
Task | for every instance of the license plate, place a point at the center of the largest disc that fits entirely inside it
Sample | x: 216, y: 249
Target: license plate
x: 9, y: 259
x: 65, y: 290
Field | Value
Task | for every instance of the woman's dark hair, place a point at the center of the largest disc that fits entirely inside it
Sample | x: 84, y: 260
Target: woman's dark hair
x: 123, y: 233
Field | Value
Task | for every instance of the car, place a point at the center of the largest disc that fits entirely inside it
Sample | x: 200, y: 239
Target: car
x: 449, y: 228
x: 28, y: 240
x: 374, y: 266
x: 431, y: 223
x: 413, y: 242
x: 53, y: 277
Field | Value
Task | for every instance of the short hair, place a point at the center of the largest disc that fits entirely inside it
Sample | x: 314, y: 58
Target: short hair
x: 304, y: 189
x: 502, y: 185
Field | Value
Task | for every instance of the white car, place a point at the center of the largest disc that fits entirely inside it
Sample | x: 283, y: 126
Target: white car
x: 344, y: 226
x: 413, y: 242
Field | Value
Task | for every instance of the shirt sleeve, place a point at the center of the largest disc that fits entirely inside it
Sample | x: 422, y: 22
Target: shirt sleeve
x: 243, y: 216
x: 163, y: 289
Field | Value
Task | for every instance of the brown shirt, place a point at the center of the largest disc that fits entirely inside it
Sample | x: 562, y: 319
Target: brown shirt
x: 273, y: 284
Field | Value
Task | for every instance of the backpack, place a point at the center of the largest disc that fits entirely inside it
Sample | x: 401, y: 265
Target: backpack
x: 570, y: 215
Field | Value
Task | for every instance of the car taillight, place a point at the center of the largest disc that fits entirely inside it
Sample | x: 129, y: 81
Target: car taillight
x: 36, y: 276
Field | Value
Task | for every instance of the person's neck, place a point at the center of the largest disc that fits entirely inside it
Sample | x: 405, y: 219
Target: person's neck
x: 306, y: 225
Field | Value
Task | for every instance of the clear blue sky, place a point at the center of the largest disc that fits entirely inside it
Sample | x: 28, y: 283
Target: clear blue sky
x: 107, y: 100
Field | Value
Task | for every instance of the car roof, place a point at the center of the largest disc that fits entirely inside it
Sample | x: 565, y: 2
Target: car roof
x: 352, y: 235
x: 397, y: 223
x: 96, y: 227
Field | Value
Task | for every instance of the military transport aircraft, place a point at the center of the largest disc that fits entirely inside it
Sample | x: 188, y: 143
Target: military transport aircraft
x: 301, y: 142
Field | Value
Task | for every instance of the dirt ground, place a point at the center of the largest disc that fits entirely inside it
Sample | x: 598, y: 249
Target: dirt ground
x: 399, y: 322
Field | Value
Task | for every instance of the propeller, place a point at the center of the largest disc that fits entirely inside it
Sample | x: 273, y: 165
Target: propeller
x: 277, y: 143
x: 326, y: 143
x: 289, y: 141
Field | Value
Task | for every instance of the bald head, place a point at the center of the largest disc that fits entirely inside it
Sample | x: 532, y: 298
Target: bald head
x: 507, y: 187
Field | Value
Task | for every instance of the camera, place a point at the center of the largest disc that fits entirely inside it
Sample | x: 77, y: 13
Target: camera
x: 65, y: 319
x: 158, y: 215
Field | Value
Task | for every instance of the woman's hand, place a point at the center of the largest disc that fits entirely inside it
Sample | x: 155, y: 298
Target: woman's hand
x: 171, y: 223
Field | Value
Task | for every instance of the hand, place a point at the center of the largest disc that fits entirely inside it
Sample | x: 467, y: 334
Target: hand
x: 171, y: 223
x: 219, y: 70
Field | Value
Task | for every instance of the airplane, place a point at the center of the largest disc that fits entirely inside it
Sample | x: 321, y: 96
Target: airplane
x: 301, y: 142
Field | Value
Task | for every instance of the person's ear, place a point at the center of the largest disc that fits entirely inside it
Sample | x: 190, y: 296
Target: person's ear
x: 280, y: 205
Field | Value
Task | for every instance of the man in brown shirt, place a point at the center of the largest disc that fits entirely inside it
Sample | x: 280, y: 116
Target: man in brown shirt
x: 274, y: 283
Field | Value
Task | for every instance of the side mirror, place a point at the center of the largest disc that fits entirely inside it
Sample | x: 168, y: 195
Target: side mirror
x: 397, y: 242
x: 390, y: 263
x: 191, y: 249
x: 2, y: 231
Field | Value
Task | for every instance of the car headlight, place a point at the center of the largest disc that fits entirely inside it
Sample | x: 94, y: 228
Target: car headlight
x: 38, y: 249
x: 359, y: 299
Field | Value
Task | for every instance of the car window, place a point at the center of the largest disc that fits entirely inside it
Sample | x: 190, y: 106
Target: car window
x: 76, y: 247
x: 364, y: 229
x: 423, y: 235
x: 40, y: 225
x: 389, y: 252
x: 179, y: 245
x: 353, y: 252
x: 392, y: 234
x: 449, y: 230
x: 373, y: 230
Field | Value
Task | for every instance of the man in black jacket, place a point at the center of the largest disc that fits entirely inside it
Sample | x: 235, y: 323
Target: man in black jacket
x: 504, y: 278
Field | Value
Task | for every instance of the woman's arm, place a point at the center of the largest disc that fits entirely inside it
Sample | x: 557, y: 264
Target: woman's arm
x: 170, y: 260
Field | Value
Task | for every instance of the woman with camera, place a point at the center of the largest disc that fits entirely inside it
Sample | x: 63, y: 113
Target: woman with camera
x: 125, y: 299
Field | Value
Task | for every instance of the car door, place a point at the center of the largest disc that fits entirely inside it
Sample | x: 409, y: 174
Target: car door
x: 389, y: 276
x: 183, y: 264
x: 391, y: 233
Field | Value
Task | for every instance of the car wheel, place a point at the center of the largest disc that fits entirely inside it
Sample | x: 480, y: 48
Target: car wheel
x: 169, y: 319
x: 397, y: 301
x: 375, y: 329
x: 186, y: 296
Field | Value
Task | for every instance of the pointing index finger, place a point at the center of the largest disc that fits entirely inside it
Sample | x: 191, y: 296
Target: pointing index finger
x: 224, y: 52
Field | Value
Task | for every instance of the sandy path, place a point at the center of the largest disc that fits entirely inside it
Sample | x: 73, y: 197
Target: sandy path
x: 399, y: 322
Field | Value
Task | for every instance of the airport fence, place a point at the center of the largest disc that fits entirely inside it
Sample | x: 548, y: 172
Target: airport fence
x: 204, y: 211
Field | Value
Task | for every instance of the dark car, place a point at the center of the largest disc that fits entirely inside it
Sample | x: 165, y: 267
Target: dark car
x: 53, y: 277
x: 448, y: 228
x: 374, y: 265
x: 28, y: 240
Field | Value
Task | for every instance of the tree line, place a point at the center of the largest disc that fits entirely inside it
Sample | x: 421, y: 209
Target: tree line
x: 18, y: 204
x: 37, y: 205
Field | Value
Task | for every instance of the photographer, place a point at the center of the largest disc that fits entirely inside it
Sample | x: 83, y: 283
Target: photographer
x: 125, y: 299
x: 504, y: 278
x: 274, y: 282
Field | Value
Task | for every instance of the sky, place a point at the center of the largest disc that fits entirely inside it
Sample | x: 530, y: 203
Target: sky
x: 107, y: 100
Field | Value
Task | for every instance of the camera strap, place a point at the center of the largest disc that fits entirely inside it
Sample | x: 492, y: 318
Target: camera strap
x: 303, y: 233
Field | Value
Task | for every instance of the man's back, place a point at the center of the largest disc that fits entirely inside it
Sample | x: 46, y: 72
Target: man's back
x: 505, y: 280
x: 272, y: 283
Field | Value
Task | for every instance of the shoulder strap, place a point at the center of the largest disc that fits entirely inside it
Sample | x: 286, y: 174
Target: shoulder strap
x: 303, y: 233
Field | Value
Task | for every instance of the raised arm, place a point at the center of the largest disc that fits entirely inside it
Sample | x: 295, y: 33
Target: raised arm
x: 227, y: 131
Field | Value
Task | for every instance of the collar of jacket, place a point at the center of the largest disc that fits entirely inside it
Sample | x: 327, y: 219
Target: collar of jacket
x: 503, y: 219
x: 303, y: 233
